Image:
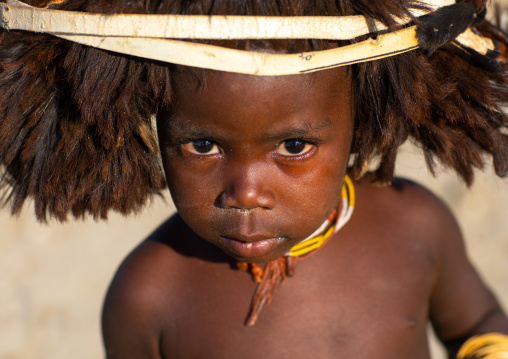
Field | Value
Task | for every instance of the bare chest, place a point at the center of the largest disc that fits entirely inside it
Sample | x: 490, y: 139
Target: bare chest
x: 355, y: 306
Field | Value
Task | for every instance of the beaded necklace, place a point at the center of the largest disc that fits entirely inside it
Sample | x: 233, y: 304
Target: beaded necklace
x: 276, y: 271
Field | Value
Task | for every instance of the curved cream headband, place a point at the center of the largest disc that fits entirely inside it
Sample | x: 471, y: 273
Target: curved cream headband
x: 148, y: 36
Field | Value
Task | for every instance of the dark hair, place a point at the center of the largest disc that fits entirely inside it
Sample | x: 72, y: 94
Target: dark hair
x: 76, y: 132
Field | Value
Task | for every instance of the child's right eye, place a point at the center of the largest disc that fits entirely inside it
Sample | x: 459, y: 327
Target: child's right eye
x: 201, y: 147
x: 294, y: 148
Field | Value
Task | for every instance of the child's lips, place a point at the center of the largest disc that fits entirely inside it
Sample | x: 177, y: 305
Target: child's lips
x: 252, y: 247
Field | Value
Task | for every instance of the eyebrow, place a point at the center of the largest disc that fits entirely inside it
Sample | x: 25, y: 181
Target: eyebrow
x: 181, y: 137
x: 185, y: 129
x: 192, y: 133
x: 304, y: 129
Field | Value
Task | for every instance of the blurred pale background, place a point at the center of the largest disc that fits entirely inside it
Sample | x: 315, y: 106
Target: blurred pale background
x: 53, y: 277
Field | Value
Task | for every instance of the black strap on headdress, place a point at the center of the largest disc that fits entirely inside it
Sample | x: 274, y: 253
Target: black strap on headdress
x: 444, y: 25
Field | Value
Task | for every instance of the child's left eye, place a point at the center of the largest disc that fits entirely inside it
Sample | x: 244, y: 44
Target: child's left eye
x: 294, y: 147
x: 201, y: 147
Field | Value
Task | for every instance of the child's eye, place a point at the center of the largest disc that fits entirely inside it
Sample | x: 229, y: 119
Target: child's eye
x: 294, y: 147
x: 201, y: 147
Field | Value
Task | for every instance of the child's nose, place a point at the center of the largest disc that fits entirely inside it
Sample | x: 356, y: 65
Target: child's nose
x: 247, y: 187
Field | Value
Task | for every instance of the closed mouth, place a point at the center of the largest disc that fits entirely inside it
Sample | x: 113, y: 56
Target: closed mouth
x: 251, y: 247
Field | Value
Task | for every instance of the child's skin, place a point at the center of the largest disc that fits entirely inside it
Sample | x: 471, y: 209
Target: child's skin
x: 255, y: 165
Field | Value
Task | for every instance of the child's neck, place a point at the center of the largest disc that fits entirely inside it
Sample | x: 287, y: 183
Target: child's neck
x: 276, y: 271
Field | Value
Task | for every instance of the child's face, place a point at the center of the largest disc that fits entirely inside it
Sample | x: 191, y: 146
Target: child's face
x: 256, y: 164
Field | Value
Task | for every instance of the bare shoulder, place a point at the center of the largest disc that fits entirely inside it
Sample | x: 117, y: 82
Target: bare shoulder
x: 410, y: 230
x: 460, y: 304
x: 405, y: 206
x: 144, y: 292
x: 411, y: 208
x: 133, y: 302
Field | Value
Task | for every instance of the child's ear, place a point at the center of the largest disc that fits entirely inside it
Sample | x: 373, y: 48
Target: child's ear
x: 75, y: 127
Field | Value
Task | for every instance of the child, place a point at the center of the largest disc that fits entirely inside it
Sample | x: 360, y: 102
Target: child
x: 259, y: 169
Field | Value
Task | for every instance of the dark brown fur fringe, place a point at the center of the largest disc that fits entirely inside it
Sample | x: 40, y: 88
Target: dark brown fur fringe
x: 75, y: 129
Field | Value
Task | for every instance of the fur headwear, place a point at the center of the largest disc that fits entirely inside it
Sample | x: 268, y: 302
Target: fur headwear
x: 75, y: 122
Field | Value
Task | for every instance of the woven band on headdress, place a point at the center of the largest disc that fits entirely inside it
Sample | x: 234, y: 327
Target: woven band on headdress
x: 152, y: 37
